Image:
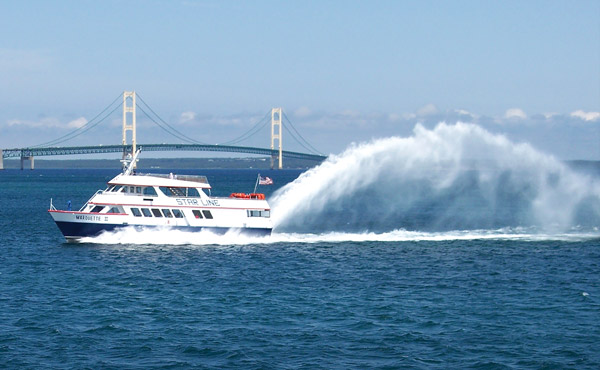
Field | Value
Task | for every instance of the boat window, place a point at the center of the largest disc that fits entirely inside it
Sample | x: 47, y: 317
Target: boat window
x: 197, y: 213
x: 167, y: 213
x: 156, y: 212
x: 179, y: 192
x: 132, y: 189
x: 150, y: 191
x: 207, y: 214
x: 116, y: 188
x: 177, y: 213
x: 138, y: 189
x: 136, y: 212
x: 114, y: 210
x: 97, y: 209
x: 110, y: 188
x: 173, y: 191
x: 146, y: 212
x: 256, y: 213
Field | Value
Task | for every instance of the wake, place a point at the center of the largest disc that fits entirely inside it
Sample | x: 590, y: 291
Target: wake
x: 168, y: 237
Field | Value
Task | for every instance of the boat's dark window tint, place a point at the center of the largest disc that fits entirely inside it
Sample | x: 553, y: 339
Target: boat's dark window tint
x: 138, y: 189
x: 146, y: 212
x: 177, y: 213
x: 110, y: 188
x: 266, y: 214
x: 207, y: 214
x: 132, y: 189
x: 114, y: 210
x: 178, y: 192
x: 192, y: 192
x: 149, y: 191
x: 156, y: 212
x: 136, y: 212
x: 97, y: 209
x: 167, y: 213
x: 115, y: 188
x: 173, y: 191
x: 197, y: 213
x: 125, y: 189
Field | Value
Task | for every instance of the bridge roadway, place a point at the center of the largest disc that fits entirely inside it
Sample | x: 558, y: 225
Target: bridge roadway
x: 30, y: 153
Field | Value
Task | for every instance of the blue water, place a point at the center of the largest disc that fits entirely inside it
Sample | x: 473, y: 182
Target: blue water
x: 327, y: 300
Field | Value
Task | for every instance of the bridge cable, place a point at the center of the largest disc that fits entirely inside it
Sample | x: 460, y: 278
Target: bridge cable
x: 253, y: 131
x: 178, y: 134
x: 83, y: 128
x: 291, y: 133
x: 174, y: 134
x: 312, y: 148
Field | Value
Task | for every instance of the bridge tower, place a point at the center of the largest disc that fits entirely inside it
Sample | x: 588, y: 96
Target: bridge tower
x: 129, y: 96
x: 276, y: 121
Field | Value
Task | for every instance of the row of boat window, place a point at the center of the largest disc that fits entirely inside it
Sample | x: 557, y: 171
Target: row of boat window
x: 150, y: 191
x: 168, y: 213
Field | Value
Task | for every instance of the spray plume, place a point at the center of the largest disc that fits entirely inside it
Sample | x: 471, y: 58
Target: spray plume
x: 453, y: 177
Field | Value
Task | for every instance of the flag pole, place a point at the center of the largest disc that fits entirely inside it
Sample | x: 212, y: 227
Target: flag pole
x: 255, y: 185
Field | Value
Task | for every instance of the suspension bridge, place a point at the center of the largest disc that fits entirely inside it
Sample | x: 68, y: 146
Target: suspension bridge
x: 130, y: 106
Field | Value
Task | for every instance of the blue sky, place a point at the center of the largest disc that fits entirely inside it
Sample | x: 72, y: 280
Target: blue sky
x: 343, y: 71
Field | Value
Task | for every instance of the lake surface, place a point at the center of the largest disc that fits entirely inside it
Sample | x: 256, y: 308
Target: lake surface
x: 328, y: 299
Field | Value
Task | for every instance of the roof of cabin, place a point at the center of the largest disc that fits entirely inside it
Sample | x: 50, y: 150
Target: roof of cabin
x: 184, y: 181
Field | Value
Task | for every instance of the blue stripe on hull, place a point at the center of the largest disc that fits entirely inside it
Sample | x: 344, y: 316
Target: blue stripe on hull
x: 75, y: 230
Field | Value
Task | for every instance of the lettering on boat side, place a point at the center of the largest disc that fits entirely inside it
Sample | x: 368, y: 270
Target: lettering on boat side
x: 87, y: 218
x: 210, y: 202
x: 184, y: 202
x: 194, y: 202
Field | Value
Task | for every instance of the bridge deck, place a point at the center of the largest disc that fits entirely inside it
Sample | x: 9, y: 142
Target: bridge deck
x: 52, y: 151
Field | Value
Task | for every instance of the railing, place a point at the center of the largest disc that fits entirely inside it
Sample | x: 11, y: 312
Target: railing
x: 193, y: 178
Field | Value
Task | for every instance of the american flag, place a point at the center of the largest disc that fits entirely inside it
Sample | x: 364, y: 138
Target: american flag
x: 265, y: 181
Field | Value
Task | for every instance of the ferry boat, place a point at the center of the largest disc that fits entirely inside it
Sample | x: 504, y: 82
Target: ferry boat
x: 163, y: 201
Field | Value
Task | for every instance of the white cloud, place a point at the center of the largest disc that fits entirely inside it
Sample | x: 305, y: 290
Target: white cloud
x: 49, y: 122
x: 44, y: 122
x: 302, y: 112
x: 427, y: 110
x: 515, y: 113
x: 393, y: 117
x: 77, y: 123
x: 187, y: 116
x: 586, y: 116
x: 464, y: 112
x: 350, y: 113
